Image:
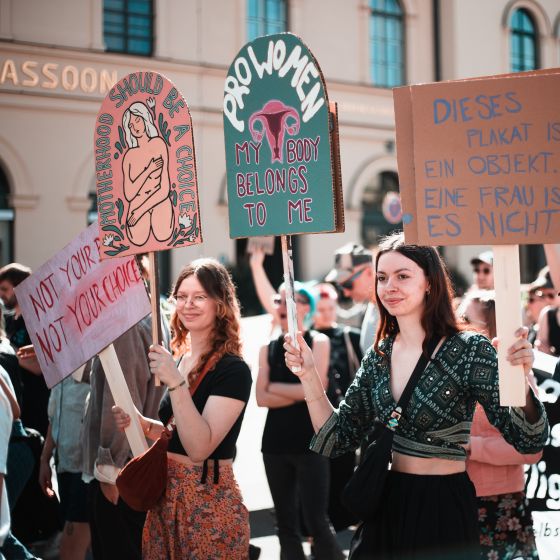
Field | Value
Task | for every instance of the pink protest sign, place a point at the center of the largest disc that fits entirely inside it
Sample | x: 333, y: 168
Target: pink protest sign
x: 147, y: 192
x: 75, y: 305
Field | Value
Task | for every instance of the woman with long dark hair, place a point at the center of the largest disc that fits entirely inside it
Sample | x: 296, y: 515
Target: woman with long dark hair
x: 429, y: 507
x: 201, y: 514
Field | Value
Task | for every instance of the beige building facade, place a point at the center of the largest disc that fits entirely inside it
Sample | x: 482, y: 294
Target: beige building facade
x: 55, y: 71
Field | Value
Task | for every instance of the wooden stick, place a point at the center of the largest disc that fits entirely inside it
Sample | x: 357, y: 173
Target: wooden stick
x: 507, y: 285
x: 154, y: 297
x: 121, y: 395
x: 289, y: 286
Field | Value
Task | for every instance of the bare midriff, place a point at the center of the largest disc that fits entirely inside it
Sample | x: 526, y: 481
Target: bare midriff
x: 420, y: 465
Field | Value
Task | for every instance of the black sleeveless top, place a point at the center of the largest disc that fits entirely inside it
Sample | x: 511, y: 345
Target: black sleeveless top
x: 231, y: 378
x: 287, y: 429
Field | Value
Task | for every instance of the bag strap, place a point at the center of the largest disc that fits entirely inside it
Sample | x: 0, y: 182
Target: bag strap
x: 423, y: 360
x: 209, y: 365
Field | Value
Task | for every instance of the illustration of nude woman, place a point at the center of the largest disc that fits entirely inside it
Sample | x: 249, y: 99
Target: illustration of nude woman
x: 146, y: 178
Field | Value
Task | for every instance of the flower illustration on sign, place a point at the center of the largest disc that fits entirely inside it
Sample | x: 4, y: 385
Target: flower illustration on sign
x: 276, y: 119
x: 185, y: 221
x: 108, y: 240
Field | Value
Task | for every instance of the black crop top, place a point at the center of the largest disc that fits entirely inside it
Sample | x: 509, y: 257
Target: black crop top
x: 230, y: 378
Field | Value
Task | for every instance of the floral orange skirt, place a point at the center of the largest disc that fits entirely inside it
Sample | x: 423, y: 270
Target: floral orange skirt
x: 195, y: 520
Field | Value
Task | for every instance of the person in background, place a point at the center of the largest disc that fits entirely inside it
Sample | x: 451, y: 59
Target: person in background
x: 66, y: 410
x: 15, y: 469
x: 201, y: 514
x: 353, y: 273
x: 35, y: 390
x: 496, y: 468
x: 9, y: 409
x: 548, y: 326
x: 298, y: 479
x: 429, y: 507
x: 345, y: 357
x: 483, y: 271
x: 540, y: 294
x: 116, y: 529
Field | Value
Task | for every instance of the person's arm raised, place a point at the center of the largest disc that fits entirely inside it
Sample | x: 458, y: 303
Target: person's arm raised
x: 265, y: 290
x: 320, y: 409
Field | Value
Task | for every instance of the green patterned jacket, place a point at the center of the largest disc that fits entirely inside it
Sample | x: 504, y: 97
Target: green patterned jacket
x: 439, y: 415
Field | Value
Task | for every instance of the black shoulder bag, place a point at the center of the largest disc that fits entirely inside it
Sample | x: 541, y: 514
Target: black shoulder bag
x: 362, y: 493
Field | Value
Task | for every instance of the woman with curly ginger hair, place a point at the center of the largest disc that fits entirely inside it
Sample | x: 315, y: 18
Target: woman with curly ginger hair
x: 201, y: 514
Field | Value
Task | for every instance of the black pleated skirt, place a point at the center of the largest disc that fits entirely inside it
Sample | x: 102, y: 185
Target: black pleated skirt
x: 423, y: 517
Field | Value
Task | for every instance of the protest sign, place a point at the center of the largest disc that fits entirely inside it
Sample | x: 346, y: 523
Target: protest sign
x: 281, y: 140
x: 478, y: 165
x: 282, y: 148
x: 478, y: 160
x: 74, y: 305
x: 147, y: 192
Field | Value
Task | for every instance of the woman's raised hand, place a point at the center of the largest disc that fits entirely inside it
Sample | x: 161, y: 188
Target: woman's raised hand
x: 163, y: 365
x: 301, y: 358
x: 521, y: 352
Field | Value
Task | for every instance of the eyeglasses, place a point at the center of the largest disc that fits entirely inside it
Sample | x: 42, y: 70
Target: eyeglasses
x: 279, y: 300
x: 482, y: 270
x: 349, y: 282
x: 181, y: 299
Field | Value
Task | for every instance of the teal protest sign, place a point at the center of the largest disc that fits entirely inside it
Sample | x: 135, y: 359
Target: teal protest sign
x: 281, y: 177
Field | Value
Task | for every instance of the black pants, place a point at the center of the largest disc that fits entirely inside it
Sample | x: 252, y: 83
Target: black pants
x: 423, y: 517
x: 116, y: 531
x: 295, y: 480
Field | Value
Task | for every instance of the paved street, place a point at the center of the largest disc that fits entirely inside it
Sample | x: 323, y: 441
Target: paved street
x: 249, y: 468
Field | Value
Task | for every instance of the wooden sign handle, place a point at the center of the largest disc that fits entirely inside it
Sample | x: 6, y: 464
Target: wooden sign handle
x: 121, y: 395
x: 507, y: 285
x: 289, y: 286
x: 154, y: 297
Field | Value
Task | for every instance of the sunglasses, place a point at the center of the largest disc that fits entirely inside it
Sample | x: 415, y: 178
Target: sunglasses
x: 482, y: 270
x: 349, y: 282
x: 279, y: 300
x: 541, y: 295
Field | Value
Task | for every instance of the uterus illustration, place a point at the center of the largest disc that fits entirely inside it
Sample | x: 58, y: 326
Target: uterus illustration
x: 276, y: 119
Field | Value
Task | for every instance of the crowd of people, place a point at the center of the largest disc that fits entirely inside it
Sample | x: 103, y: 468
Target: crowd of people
x: 455, y: 488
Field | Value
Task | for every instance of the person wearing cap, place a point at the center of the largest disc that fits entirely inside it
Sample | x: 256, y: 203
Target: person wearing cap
x: 353, y: 272
x: 548, y: 326
x: 483, y: 271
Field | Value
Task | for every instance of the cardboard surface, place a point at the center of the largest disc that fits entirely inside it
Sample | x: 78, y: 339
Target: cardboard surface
x: 74, y: 305
x: 278, y: 141
x: 147, y: 191
x: 482, y: 158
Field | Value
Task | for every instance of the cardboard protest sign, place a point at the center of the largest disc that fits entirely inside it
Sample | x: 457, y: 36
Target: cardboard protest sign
x: 482, y: 160
x: 281, y: 140
x: 147, y: 192
x: 74, y: 305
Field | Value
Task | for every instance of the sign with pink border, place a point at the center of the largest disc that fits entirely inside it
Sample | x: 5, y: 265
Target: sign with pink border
x: 147, y: 191
x: 75, y: 305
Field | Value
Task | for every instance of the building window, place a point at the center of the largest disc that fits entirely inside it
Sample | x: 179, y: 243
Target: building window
x: 374, y: 223
x: 266, y: 17
x: 523, y: 42
x: 128, y: 26
x: 6, y: 221
x: 386, y: 40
